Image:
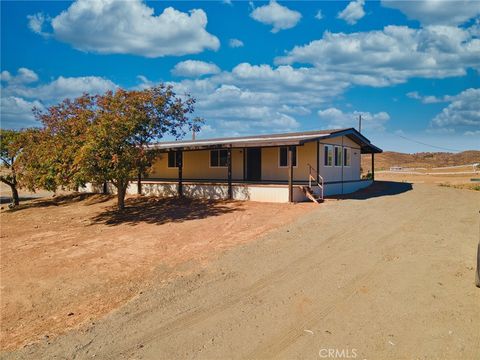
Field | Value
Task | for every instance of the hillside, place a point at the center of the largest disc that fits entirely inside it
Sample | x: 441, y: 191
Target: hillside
x: 388, y: 159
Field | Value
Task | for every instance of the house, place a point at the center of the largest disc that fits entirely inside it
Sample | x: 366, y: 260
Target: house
x: 274, y: 168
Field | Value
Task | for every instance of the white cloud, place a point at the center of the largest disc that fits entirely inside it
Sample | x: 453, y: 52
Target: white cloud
x: 144, y: 83
x: 61, y: 88
x: 430, y: 99
x: 280, y: 17
x: 36, y: 23
x: 461, y: 115
x: 17, y: 112
x: 194, y: 68
x: 353, y: 12
x: 260, y: 98
x: 472, y: 133
x: 392, y: 55
x: 319, y: 15
x: 336, y: 118
x: 24, y: 76
x: 129, y: 27
x: 235, y: 43
x: 435, y: 12
x: 19, y: 93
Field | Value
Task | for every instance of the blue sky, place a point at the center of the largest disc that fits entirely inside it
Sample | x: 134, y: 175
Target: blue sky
x: 410, y: 68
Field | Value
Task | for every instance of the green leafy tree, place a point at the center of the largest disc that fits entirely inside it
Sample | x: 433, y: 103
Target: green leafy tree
x: 10, y: 147
x: 48, y: 157
x: 125, y: 123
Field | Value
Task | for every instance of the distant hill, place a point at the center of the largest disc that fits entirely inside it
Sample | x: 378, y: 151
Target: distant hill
x: 388, y: 159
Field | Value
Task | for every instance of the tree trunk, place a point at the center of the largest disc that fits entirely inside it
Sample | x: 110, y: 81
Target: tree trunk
x: 139, y: 183
x: 13, y: 187
x: 121, y: 191
x: 15, y: 198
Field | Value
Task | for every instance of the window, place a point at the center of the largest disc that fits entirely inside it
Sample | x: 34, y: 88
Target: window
x: 218, y: 158
x: 346, y: 156
x: 338, y: 156
x: 174, y: 159
x: 283, y: 156
x: 328, y: 153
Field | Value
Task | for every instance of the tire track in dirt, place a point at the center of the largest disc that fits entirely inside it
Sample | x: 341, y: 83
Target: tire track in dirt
x: 302, y: 265
x: 284, y: 340
x: 299, y: 267
x: 238, y: 296
x: 290, y: 336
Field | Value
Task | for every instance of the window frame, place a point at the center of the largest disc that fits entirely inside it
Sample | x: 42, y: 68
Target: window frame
x: 326, y: 150
x: 347, y: 155
x: 340, y: 152
x: 279, y: 157
x: 218, y: 166
x: 175, y: 160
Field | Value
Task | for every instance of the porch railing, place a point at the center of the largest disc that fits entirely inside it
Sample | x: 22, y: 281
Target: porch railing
x: 315, y: 177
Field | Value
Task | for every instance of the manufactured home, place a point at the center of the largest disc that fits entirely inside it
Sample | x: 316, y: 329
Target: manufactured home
x: 287, y: 167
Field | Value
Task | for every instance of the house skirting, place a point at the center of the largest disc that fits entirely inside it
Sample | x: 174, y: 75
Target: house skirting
x: 240, y: 191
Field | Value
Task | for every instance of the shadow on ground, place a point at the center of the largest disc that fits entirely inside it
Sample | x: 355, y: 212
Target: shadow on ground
x: 162, y: 210
x: 8, y: 199
x: 89, y: 198
x: 378, y: 188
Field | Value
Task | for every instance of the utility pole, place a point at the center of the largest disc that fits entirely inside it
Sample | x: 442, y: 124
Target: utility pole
x: 360, y: 123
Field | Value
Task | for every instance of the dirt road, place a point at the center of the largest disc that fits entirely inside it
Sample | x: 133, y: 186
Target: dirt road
x: 376, y: 277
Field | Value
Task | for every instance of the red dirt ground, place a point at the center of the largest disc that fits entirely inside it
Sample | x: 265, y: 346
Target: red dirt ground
x: 69, y: 260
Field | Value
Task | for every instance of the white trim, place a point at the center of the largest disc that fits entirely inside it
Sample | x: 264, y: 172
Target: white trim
x: 210, y: 159
x: 286, y: 166
x: 329, y: 146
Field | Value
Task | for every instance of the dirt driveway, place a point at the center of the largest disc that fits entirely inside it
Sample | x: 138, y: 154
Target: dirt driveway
x: 387, y: 275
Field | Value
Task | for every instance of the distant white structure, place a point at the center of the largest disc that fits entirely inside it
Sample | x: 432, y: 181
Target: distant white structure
x: 396, y: 168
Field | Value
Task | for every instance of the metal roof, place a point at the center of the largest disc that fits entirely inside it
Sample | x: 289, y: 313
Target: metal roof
x: 297, y: 138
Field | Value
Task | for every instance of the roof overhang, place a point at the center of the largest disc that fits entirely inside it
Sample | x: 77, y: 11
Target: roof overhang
x: 291, y: 139
x: 366, y: 146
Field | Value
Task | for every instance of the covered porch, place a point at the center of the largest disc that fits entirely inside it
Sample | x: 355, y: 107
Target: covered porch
x: 237, y: 169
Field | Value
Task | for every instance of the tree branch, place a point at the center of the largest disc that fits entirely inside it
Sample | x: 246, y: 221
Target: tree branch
x: 4, y: 180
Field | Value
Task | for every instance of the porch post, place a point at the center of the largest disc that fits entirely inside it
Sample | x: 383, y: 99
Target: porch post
x: 229, y: 166
x: 244, y: 164
x: 139, y: 183
x: 290, y: 174
x: 318, y: 162
x: 373, y: 166
x: 179, y: 156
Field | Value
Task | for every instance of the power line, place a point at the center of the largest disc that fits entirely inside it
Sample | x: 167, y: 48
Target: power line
x: 430, y: 145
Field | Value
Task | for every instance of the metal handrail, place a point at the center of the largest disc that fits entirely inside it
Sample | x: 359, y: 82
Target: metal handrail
x: 315, y: 178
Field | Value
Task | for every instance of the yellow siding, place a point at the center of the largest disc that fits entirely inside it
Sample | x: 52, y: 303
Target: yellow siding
x: 271, y: 170
x: 196, y: 165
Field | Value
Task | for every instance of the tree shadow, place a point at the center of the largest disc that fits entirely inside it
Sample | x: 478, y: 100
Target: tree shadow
x: 377, y: 189
x: 158, y: 211
x: 8, y: 199
x: 61, y: 200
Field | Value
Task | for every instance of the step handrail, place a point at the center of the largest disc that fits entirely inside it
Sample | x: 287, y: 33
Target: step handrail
x: 315, y: 178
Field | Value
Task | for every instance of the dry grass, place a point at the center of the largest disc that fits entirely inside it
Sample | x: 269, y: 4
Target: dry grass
x: 388, y: 159
x: 470, y: 186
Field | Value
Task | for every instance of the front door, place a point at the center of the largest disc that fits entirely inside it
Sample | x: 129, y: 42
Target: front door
x: 254, y: 164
